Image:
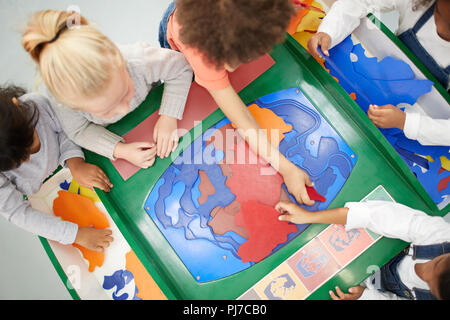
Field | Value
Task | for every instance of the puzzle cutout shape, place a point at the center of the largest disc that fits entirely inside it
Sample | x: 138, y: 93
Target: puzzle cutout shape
x: 207, y: 185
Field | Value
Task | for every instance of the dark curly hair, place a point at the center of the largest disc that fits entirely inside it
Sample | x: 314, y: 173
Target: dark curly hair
x: 444, y: 284
x: 17, y: 125
x: 233, y: 31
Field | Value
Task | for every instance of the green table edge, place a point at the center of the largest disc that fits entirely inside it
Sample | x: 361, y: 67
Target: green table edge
x: 58, y: 268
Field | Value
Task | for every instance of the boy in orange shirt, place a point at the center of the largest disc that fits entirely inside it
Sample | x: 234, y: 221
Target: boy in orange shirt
x: 216, y: 37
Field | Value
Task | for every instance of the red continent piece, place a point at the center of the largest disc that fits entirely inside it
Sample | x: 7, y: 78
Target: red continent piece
x: 264, y: 228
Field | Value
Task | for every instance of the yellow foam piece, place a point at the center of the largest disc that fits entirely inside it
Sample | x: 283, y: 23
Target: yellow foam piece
x: 85, y: 192
x: 445, y: 163
x: 312, y: 19
x: 302, y: 38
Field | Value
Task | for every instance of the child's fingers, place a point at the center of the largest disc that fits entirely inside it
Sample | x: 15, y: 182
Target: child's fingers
x: 155, y: 134
x: 305, y: 197
x: 148, y: 164
x: 309, y: 183
x: 159, y: 146
x: 333, y: 296
x: 375, y: 110
x: 175, y: 145
x: 149, y: 154
x: 282, y: 207
x: 104, y: 177
x: 101, y: 184
x: 169, y: 148
x: 144, y: 145
x: 340, y: 293
x: 164, y: 145
x: 105, y: 244
x: 325, y: 45
x: 286, y: 217
x: 313, y: 43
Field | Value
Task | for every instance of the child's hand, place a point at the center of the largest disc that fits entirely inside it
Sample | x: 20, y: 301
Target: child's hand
x: 141, y: 154
x: 387, y: 116
x: 165, y: 136
x: 88, y: 175
x: 354, y: 293
x: 321, y: 39
x: 292, y: 213
x: 296, y: 180
x: 94, y: 239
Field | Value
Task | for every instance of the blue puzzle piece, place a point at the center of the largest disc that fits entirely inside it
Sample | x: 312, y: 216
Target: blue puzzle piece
x: 413, y: 158
x: 387, y: 69
x: 369, y: 87
x: 430, y: 180
x: 120, y: 280
x: 64, y: 185
x: 415, y: 147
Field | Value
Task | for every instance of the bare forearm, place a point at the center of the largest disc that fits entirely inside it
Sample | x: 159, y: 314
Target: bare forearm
x: 330, y: 216
x: 247, y: 126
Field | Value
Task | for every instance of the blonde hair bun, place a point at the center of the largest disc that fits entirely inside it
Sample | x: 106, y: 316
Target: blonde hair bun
x: 71, y: 54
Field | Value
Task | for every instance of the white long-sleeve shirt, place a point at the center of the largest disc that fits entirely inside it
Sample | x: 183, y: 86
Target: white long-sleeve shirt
x: 426, y: 130
x: 394, y: 220
x: 27, y: 179
x: 345, y: 16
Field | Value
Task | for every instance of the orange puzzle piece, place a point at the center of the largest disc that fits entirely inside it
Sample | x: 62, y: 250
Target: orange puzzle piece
x: 147, y: 287
x: 82, y: 211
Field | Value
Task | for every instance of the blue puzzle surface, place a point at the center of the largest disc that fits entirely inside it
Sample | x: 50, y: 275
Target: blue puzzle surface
x: 172, y: 204
x: 389, y: 81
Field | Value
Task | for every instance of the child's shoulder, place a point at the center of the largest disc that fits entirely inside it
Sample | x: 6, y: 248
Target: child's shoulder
x: 41, y: 103
x: 144, y: 52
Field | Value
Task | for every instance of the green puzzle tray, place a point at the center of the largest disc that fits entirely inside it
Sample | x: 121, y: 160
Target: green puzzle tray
x: 378, y: 164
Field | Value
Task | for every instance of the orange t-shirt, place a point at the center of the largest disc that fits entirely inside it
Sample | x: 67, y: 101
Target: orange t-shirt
x: 206, y: 74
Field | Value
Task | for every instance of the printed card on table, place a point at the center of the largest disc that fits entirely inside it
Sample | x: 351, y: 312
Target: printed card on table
x: 313, y: 264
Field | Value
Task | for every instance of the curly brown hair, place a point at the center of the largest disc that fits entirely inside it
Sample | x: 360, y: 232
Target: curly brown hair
x: 17, y: 125
x: 233, y: 31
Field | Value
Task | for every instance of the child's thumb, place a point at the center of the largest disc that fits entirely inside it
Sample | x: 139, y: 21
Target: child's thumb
x: 309, y: 183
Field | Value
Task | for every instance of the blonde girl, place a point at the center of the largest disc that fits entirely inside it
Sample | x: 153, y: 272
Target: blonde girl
x: 92, y: 83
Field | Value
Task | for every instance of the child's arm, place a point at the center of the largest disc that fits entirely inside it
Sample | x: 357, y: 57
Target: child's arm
x: 171, y: 67
x: 100, y: 140
x: 416, y: 126
x: 233, y: 107
x: 86, y: 174
x: 426, y: 130
x: 292, y: 213
x: 344, y: 17
x: 392, y: 220
x: 17, y: 211
x: 361, y: 293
